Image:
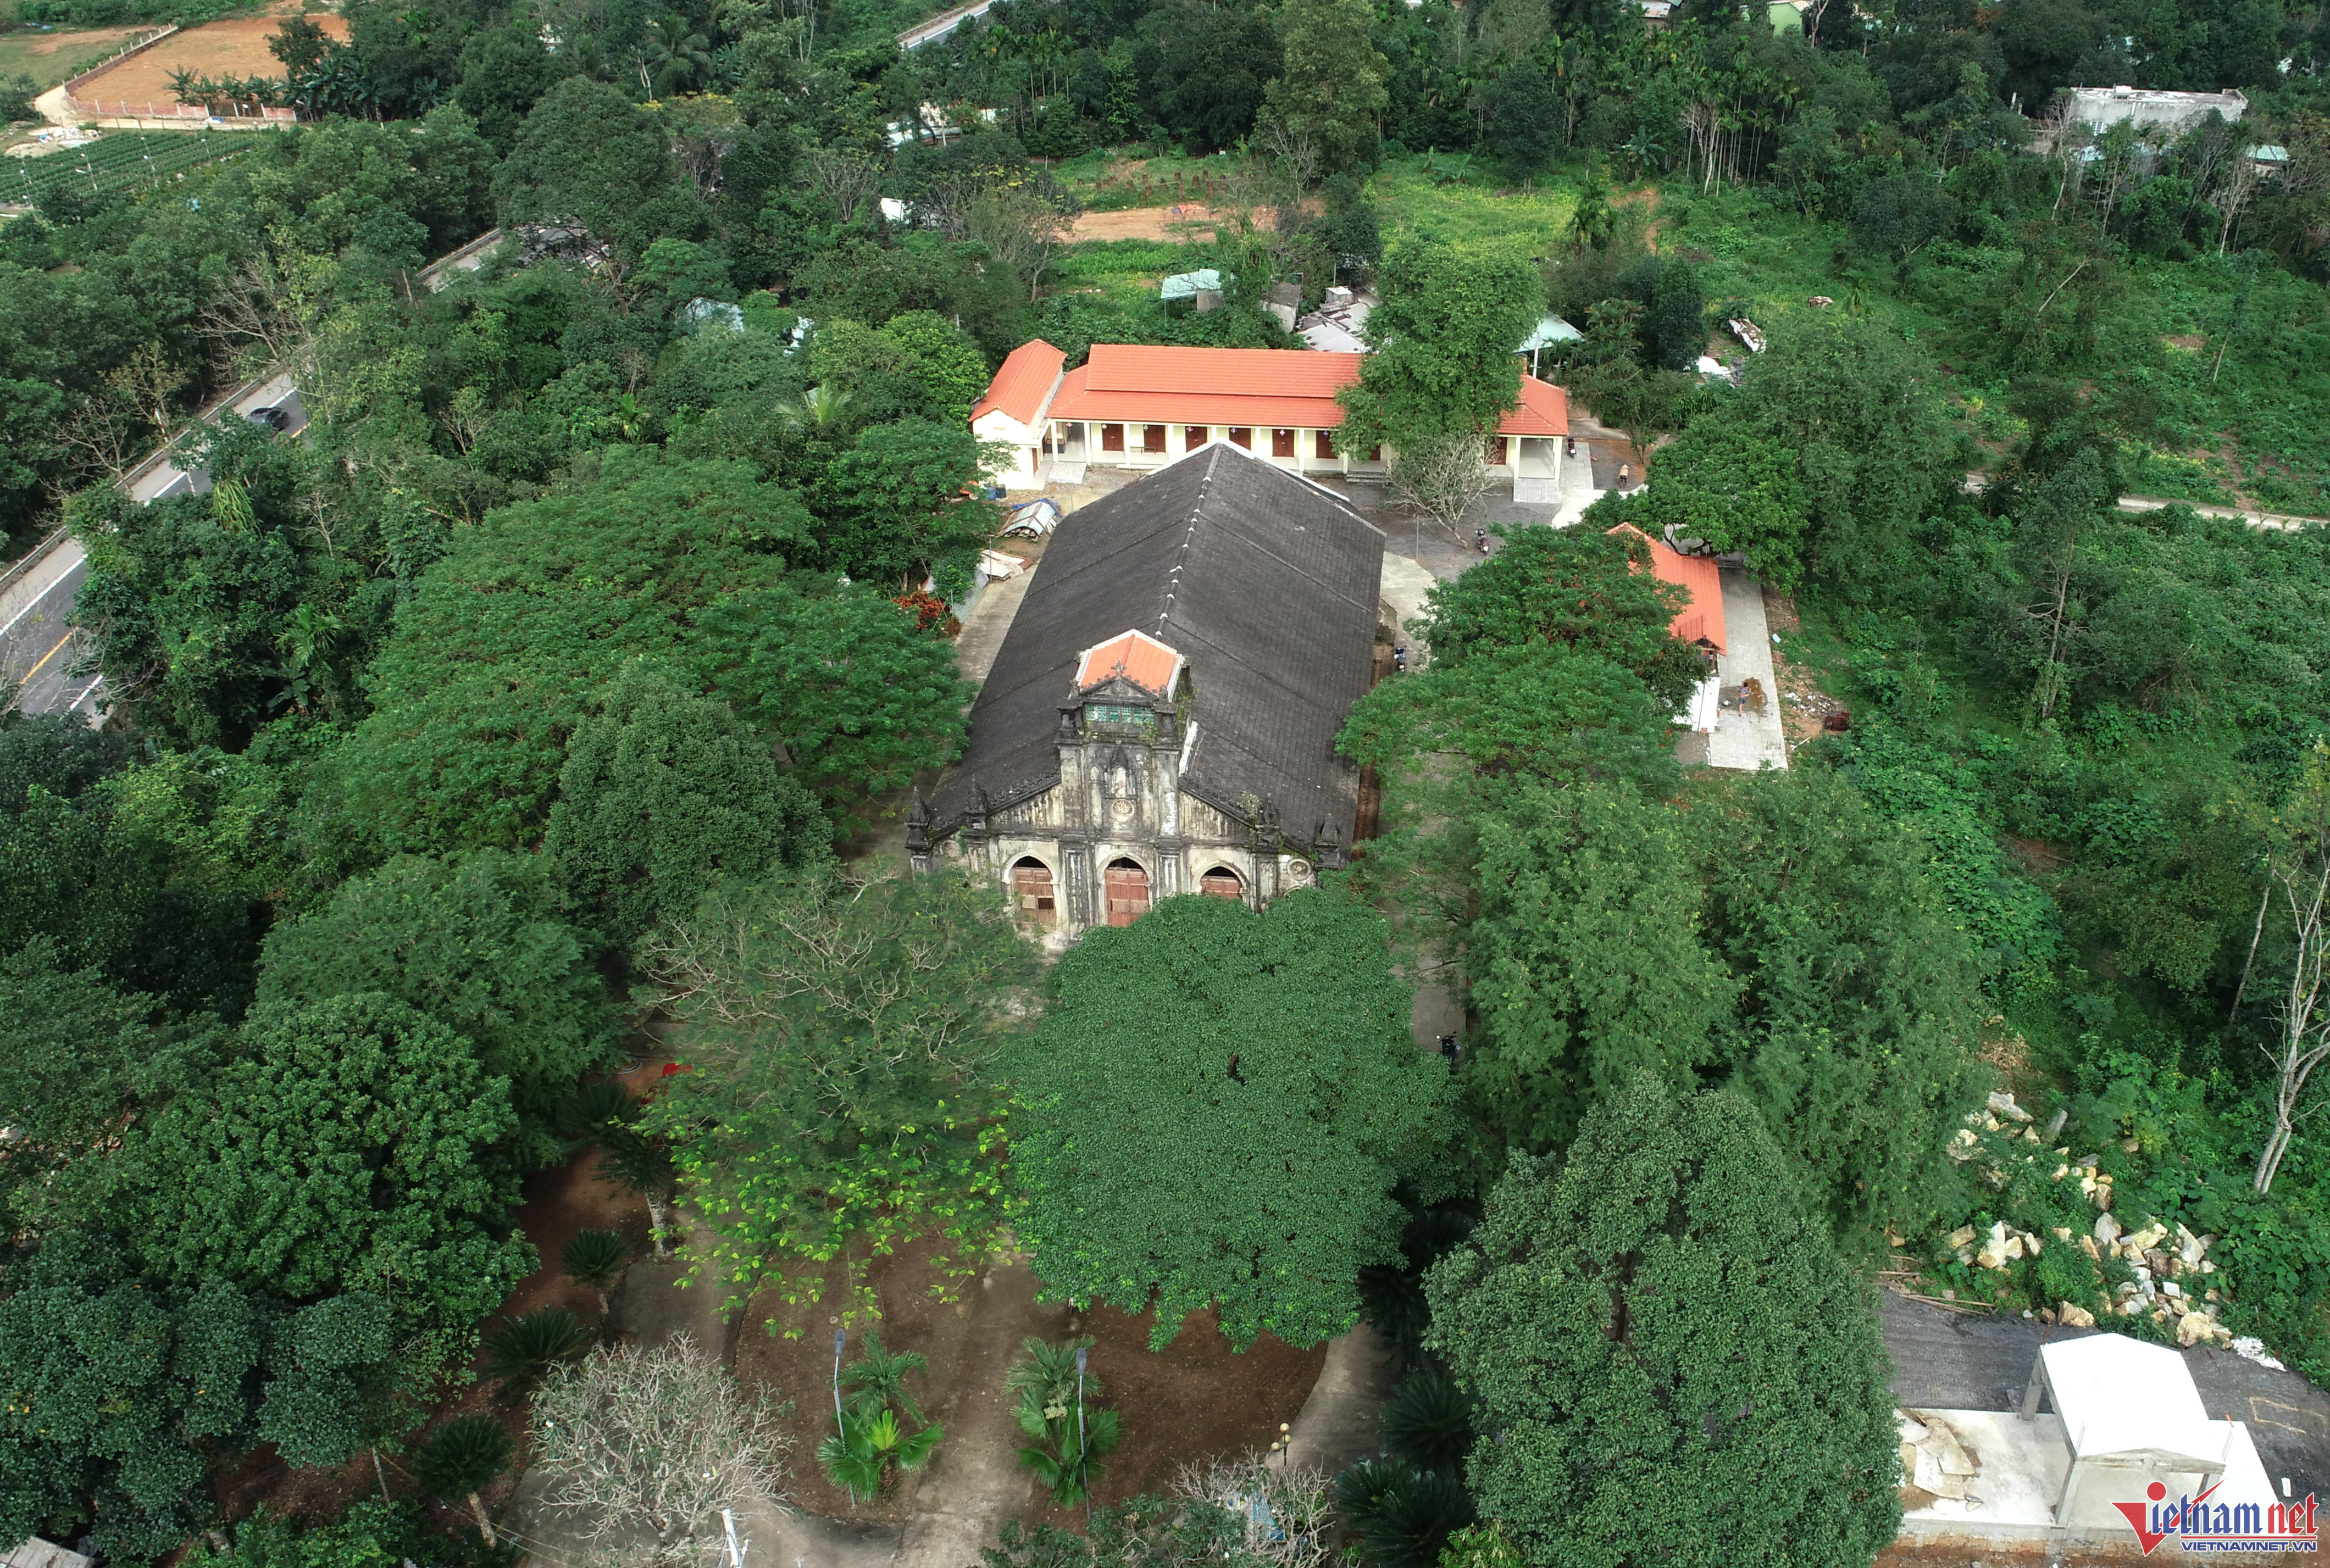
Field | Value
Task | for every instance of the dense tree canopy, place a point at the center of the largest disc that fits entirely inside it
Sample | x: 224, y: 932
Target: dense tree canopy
x: 476, y: 942
x: 1198, y: 1130
x: 1669, y: 1358
x: 397, y: 1181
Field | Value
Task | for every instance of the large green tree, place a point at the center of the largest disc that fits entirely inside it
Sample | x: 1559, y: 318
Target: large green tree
x: 1732, y: 483
x: 860, y: 698
x: 587, y: 157
x: 1551, y: 661
x: 1443, y: 365
x: 1861, y: 997
x: 499, y: 654
x: 841, y: 1038
x: 477, y: 942
x: 123, y: 1393
x: 1585, y: 959
x: 1213, y: 1113
x: 1672, y: 1361
x: 1332, y: 86
x: 663, y: 795
x: 355, y: 1144
x: 78, y: 1059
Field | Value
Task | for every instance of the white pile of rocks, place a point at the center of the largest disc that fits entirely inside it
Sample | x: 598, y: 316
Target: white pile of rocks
x: 1934, y: 1461
x: 2173, y: 1282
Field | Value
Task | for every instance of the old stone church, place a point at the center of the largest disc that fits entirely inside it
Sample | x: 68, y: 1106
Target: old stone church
x: 1162, y: 717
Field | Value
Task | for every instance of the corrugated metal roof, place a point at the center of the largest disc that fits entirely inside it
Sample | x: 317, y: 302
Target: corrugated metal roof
x: 1266, y: 584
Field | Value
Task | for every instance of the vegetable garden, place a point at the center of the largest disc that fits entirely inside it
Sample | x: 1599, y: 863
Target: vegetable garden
x: 134, y: 160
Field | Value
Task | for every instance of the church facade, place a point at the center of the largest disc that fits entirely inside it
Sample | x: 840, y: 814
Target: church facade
x: 1162, y: 716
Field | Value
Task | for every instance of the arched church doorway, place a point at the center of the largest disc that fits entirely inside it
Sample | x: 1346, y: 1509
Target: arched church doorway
x: 1032, y: 892
x: 1128, y: 892
x: 1223, y: 882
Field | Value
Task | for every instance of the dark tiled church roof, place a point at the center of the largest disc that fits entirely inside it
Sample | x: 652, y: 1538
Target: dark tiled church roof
x: 1266, y: 584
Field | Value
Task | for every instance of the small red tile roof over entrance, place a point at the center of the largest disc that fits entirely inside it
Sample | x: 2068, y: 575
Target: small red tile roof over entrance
x: 1701, y: 620
x: 1018, y: 387
x: 1138, y: 659
x: 1237, y: 388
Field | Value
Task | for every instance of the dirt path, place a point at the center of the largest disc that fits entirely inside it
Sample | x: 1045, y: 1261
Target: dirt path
x: 1192, y: 219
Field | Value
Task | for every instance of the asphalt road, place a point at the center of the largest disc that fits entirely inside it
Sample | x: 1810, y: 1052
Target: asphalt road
x: 41, y: 649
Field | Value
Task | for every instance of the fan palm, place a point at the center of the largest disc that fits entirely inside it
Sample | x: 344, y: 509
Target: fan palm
x: 820, y: 411
x: 869, y: 1442
x: 880, y: 1373
x: 1069, y: 1432
x: 461, y: 1458
x: 522, y: 1352
x: 1070, y: 1443
x: 595, y: 1260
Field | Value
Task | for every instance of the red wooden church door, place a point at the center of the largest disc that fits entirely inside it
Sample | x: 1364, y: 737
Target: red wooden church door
x: 1128, y: 892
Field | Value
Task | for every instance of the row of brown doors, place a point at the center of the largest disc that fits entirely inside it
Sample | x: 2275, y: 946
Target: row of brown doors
x: 1126, y: 885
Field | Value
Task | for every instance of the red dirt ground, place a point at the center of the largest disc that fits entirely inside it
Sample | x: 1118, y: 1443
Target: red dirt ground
x: 214, y: 48
x: 1194, y: 1399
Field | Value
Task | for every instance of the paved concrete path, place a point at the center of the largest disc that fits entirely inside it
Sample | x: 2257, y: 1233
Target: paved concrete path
x: 1742, y: 739
x: 1338, y: 1424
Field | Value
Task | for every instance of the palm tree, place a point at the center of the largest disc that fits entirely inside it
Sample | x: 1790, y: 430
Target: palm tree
x: 860, y: 1455
x: 882, y: 1373
x: 522, y: 1352
x: 595, y: 1107
x: 606, y: 1116
x: 461, y: 1458
x: 821, y: 411
x: 1055, y: 1407
x: 679, y: 56
x: 595, y: 1260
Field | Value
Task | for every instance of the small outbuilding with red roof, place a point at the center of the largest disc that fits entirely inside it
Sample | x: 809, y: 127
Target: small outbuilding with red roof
x: 1142, y: 407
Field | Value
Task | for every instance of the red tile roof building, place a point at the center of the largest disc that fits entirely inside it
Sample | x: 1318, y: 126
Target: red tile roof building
x: 1142, y: 407
x: 1701, y: 620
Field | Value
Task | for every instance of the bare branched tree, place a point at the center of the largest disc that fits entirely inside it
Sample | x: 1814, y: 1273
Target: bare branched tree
x: 99, y: 434
x: 656, y: 1442
x: 1293, y: 1528
x: 1023, y: 227
x: 847, y: 177
x: 252, y: 316
x: 1442, y: 479
x: 746, y: 962
x: 1296, y: 148
x: 2299, y: 873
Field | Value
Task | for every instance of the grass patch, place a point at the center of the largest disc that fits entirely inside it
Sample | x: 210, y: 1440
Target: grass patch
x: 1458, y: 201
x: 49, y: 58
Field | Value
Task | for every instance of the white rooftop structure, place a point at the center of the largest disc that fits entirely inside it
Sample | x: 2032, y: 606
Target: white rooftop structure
x: 2127, y: 1450
x: 2151, y: 108
x: 2130, y: 1416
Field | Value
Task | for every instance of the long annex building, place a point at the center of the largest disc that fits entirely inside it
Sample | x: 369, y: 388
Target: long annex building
x: 1162, y: 716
